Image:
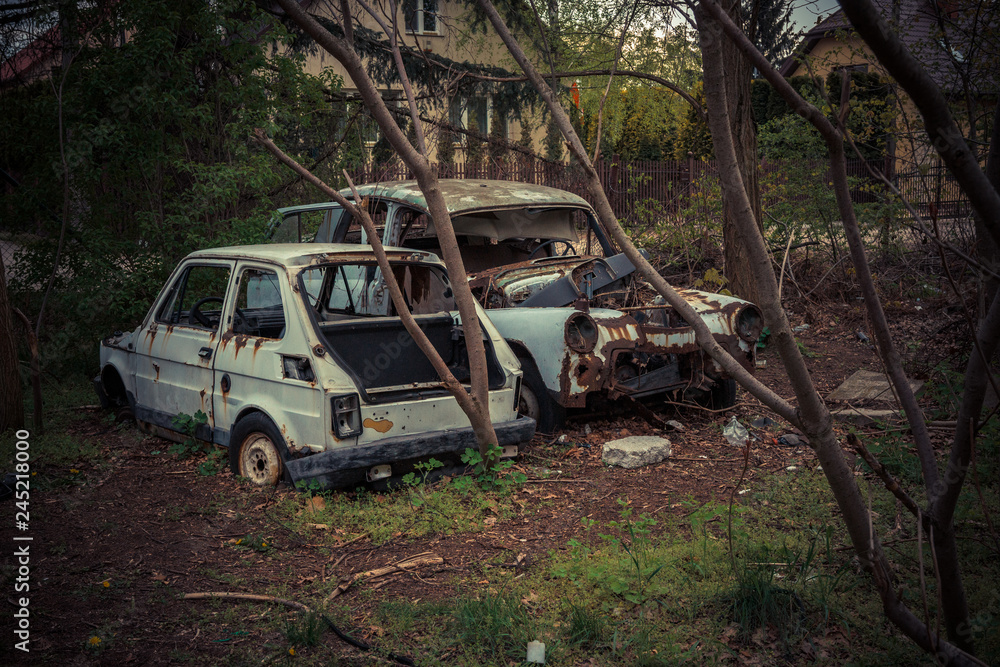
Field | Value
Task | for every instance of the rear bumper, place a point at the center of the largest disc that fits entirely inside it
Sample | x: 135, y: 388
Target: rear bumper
x: 348, y: 465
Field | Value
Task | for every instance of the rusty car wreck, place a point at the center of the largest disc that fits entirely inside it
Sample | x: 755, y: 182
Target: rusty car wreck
x: 304, y: 371
x: 584, y: 325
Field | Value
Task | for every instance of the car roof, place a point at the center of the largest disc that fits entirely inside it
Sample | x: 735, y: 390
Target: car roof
x: 294, y: 255
x: 473, y: 194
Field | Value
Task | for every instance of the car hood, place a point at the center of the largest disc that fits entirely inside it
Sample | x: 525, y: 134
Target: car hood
x: 552, y: 281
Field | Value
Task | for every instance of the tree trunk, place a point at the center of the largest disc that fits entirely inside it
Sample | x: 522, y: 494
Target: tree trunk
x: 942, y: 492
x: 739, y: 74
x: 11, y: 398
x: 986, y: 247
x: 811, y: 414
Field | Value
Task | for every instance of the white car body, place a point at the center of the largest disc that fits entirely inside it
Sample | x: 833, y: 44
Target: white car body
x: 350, y: 396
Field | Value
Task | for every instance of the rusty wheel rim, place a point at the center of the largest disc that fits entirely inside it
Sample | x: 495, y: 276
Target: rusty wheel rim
x: 527, y: 404
x: 259, y: 460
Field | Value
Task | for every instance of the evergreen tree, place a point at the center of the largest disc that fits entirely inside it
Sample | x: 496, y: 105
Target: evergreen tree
x: 475, y: 151
x: 774, y: 34
x: 553, y: 142
x: 497, y: 148
x: 526, y: 141
x: 445, y: 145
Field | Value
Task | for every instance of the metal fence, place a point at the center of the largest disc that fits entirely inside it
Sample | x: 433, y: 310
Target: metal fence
x: 672, y: 183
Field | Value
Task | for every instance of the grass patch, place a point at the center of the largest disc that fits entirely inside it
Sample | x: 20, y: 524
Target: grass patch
x: 494, y: 625
x: 444, y: 507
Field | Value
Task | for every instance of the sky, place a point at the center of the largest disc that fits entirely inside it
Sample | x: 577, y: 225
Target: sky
x: 806, y: 12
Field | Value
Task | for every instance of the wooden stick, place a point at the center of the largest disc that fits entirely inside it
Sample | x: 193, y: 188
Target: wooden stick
x: 405, y: 565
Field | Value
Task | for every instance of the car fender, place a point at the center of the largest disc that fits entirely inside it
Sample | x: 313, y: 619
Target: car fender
x: 567, y: 373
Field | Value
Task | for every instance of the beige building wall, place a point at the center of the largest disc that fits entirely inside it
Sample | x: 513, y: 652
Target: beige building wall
x: 448, y: 33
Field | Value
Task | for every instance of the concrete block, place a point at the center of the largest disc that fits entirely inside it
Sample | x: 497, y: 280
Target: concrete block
x: 636, y: 451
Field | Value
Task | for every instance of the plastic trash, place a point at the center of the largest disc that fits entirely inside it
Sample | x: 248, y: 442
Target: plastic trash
x: 764, y: 422
x: 536, y: 652
x: 736, y: 433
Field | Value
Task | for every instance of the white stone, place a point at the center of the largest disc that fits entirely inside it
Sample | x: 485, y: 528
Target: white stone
x: 636, y: 451
x: 536, y: 652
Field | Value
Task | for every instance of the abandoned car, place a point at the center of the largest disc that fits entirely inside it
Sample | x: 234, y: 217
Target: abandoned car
x: 296, y: 356
x: 584, y: 326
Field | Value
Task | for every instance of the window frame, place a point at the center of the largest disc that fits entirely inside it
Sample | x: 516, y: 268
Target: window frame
x: 176, y: 291
x: 419, y: 14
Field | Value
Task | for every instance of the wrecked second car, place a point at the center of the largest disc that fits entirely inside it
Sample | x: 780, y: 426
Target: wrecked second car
x: 302, y: 367
x: 584, y: 326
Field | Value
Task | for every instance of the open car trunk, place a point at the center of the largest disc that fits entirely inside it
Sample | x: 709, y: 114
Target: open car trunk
x: 357, y: 319
x: 383, y: 355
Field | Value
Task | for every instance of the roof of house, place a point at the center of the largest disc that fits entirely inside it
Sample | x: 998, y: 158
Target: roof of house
x: 917, y: 24
x: 21, y: 65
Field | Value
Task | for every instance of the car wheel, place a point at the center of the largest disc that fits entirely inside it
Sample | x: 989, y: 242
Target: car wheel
x: 257, y: 450
x: 124, y: 414
x: 721, y: 396
x: 535, y: 401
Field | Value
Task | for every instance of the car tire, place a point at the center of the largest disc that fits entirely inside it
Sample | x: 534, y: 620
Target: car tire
x: 535, y: 401
x: 257, y: 451
x: 124, y: 414
x: 722, y: 395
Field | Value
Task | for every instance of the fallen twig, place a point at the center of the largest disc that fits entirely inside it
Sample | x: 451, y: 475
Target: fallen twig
x: 688, y: 458
x: 298, y: 606
x: 352, y: 541
x: 546, y: 481
x: 405, y: 565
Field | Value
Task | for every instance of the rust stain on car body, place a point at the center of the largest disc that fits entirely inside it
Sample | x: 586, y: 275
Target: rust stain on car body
x: 380, y: 425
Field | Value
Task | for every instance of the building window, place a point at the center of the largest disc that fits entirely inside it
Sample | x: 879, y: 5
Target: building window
x: 463, y: 111
x: 421, y: 16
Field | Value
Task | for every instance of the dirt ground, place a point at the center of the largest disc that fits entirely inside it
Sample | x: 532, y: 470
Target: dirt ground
x: 119, y: 526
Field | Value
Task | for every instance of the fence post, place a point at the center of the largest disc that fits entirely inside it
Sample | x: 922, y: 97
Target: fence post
x: 690, y: 178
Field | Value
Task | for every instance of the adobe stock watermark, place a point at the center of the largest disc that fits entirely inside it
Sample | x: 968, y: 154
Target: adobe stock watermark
x: 22, y: 540
x: 977, y: 625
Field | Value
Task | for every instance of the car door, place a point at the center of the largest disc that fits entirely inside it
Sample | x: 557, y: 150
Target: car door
x: 264, y: 363
x: 175, y: 347
x: 312, y: 223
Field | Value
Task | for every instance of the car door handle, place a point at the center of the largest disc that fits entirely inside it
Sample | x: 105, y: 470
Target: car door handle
x: 205, y: 353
